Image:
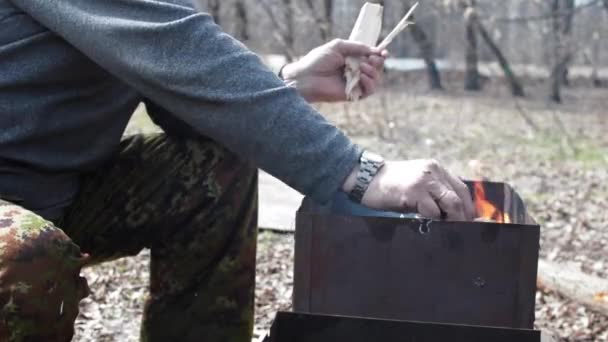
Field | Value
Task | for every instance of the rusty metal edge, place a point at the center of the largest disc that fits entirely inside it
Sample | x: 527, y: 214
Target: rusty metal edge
x: 303, y: 246
x: 525, y: 292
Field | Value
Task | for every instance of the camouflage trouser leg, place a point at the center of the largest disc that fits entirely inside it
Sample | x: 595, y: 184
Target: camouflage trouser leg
x: 194, y: 204
x: 40, y: 286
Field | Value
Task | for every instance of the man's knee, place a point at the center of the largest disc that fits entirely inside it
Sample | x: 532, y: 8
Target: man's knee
x: 40, y: 285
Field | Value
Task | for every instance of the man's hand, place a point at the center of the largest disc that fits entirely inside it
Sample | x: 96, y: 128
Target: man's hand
x: 422, y: 186
x: 319, y: 76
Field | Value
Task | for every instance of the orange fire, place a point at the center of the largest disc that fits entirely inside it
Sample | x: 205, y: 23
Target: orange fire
x: 486, y: 210
x: 601, y: 297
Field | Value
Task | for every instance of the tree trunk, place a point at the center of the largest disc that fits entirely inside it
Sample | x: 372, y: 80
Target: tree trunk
x: 428, y: 54
x: 214, y: 10
x: 289, y: 28
x: 559, y: 65
x: 329, y: 11
x: 597, y: 81
x: 242, y: 24
x: 284, y: 32
x: 516, y: 87
x: 562, y: 18
x: 567, y: 38
x: 472, y: 79
x: 594, y: 60
x: 322, y: 20
x: 426, y: 49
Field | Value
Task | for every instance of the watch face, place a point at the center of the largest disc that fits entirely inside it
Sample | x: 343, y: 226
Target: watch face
x: 373, y: 157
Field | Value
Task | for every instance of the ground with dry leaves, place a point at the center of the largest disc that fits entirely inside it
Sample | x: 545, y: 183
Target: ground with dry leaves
x: 555, y: 156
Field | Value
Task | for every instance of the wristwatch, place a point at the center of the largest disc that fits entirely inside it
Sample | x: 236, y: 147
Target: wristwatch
x: 369, y: 165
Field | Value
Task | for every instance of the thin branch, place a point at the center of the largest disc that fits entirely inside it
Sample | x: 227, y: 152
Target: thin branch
x: 526, y: 117
x: 516, y: 87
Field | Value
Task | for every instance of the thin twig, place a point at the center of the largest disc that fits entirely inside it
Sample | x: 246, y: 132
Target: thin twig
x: 400, y: 27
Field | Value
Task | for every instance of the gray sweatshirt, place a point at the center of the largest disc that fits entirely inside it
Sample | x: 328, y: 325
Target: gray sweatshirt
x: 72, y: 72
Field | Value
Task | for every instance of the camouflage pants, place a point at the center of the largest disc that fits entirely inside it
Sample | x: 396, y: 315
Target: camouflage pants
x: 191, y: 202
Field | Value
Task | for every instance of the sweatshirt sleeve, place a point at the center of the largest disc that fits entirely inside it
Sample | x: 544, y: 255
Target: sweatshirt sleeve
x: 184, y: 62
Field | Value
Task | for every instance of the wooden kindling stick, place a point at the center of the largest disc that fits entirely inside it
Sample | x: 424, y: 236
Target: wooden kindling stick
x: 400, y: 27
x: 367, y: 31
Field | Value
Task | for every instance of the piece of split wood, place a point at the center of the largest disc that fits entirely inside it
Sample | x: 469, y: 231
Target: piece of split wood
x: 367, y: 31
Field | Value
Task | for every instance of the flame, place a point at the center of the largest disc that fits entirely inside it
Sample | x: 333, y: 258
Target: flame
x: 601, y: 297
x: 486, y: 210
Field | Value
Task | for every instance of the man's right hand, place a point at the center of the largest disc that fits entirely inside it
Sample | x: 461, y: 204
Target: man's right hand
x: 422, y: 186
x: 319, y: 76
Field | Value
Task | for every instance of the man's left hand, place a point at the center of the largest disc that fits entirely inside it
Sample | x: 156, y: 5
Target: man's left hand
x: 319, y: 76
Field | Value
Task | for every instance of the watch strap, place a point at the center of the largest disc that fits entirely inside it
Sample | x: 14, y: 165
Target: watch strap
x: 369, y: 165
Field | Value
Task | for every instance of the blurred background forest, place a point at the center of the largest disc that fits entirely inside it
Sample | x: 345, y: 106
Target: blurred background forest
x: 522, y: 38
x: 513, y: 90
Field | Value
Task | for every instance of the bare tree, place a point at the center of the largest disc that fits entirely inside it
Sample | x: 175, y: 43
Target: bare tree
x: 598, y: 36
x: 215, y: 10
x: 594, y: 59
x: 289, y: 36
x: 322, y: 19
x: 562, y: 40
x: 428, y: 54
x: 424, y: 44
x: 283, y: 30
x: 472, y: 78
x: 473, y: 26
x: 427, y: 51
x: 567, y: 37
x: 516, y: 87
x: 328, y: 5
x: 242, y: 20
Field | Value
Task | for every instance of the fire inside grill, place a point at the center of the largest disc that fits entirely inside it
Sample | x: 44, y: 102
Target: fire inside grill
x: 486, y: 211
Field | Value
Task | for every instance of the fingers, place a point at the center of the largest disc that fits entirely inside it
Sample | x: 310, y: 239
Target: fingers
x: 370, y: 74
x: 376, y: 62
x: 451, y: 204
x: 351, y: 49
x: 451, y: 193
x: 371, y: 71
x: 463, y: 193
x: 447, y: 200
x: 368, y: 85
x: 427, y: 207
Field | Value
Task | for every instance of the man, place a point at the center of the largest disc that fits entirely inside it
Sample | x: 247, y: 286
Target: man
x: 74, y: 194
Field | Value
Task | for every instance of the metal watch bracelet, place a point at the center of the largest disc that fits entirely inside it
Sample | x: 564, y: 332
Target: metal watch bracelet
x: 369, y: 165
